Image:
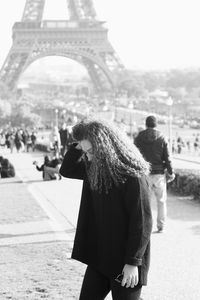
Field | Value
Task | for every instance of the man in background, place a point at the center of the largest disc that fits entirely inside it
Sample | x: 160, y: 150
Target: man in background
x: 154, y: 147
x: 64, y: 136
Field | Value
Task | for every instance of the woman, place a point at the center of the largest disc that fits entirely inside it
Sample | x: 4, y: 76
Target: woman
x: 114, y: 223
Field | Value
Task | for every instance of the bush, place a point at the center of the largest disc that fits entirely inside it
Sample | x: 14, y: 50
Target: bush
x: 186, y: 183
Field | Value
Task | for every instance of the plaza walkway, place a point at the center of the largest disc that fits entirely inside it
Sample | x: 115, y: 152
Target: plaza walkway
x: 37, y: 225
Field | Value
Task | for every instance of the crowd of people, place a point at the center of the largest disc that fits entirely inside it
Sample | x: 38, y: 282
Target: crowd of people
x: 186, y: 145
x: 24, y: 140
x: 60, y: 139
x: 18, y: 138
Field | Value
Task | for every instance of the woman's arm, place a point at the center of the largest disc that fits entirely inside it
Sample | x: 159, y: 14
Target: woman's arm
x: 40, y: 168
x: 137, y: 198
x: 73, y: 165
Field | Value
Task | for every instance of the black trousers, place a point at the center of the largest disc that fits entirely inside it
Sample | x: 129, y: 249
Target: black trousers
x: 96, y: 286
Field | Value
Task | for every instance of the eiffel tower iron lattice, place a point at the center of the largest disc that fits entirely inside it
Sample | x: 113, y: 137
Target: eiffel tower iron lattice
x: 81, y: 37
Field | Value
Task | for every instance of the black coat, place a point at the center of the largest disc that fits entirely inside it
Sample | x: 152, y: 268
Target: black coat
x: 113, y: 229
x: 154, y: 147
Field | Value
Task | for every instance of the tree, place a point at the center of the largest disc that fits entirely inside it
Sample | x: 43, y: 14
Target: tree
x: 22, y: 114
x: 4, y: 91
x: 5, y: 109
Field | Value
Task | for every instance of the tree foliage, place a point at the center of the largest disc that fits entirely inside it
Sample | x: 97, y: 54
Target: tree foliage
x: 5, y: 93
x: 178, y: 83
x: 5, y: 109
x: 22, y: 114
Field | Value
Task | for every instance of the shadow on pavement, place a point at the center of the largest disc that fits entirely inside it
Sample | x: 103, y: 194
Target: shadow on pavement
x: 10, y: 180
x: 2, y: 236
x: 35, y: 180
x: 19, y: 181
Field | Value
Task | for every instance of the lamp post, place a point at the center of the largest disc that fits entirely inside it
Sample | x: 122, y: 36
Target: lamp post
x: 63, y: 114
x: 56, y: 117
x: 169, y: 103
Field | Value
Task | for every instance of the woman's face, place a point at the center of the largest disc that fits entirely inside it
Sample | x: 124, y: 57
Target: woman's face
x: 86, y: 146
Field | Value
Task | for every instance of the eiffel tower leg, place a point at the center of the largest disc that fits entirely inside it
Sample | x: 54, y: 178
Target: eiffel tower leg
x: 75, y: 9
x: 88, y: 8
x: 100, y: 81
x: 12, y: 68
x: 33, y: 11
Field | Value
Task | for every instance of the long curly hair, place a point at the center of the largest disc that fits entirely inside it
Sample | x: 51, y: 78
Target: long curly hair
x: 115, y: 157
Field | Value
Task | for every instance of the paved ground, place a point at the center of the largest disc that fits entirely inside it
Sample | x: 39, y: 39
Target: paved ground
x: 35, y: 238
x: 37, y: 224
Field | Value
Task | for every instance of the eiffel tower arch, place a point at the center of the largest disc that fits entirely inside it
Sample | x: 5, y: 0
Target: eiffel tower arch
x: 81, y: 37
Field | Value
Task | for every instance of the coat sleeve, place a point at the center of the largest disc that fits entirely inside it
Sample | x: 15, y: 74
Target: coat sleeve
x: 41, y: 168
x: 137, y: 141
x: 72, y: 165
x: 167, y: 158
x: 137, y: 199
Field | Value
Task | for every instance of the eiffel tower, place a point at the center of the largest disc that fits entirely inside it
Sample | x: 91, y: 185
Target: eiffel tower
x: 81, y: 37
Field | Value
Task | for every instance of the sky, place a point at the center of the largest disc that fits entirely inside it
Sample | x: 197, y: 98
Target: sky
x: 146, y: 34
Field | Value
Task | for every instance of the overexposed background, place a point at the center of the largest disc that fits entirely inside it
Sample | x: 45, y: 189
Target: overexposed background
x: 146, y: 34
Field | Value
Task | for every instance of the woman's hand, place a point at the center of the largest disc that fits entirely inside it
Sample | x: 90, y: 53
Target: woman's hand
x: 130, y: 276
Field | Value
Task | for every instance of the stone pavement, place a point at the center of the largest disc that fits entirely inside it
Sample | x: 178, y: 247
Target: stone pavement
x: 37, y: 225
x: 35, y: 238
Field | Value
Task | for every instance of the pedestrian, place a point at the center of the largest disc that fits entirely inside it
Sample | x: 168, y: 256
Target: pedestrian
x: 33, y: 139
x: 64, y: 135
x: 54, y: 139
x: 154, y: 147
x: 114, y: 224
x: 180, y: 145
x: 196, y: 143
x: 18, y: 140
x: 10, y: 140
x: 2, y: 139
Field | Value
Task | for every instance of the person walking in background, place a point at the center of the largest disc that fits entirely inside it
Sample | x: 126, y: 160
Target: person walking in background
x: 18, y: 140
x: 196, y: 143
x: 154, y: 147
x: 64, y: 136
x: 115, y: 222
x: 180, y: 145
x: 54, y: 139
x: 33, y: 139
x: 10, y: 140
x: 2, y: 139
x: 25, y: 136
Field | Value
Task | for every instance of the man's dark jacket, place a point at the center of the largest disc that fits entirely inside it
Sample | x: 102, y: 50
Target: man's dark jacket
x: 64, y: 135
x: 113, y: 229
x: 154, y: 147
